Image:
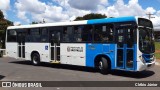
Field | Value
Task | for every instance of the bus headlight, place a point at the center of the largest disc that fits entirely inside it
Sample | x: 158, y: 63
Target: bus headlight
x: 142, y: 59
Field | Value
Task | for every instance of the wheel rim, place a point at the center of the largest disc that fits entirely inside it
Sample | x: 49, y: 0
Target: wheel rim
x: 100, y: 65
x: 35, y: 60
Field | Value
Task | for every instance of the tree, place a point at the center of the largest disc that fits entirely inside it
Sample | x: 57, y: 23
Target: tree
x: 34, y: 22
x: 4, y: 23
x: 41, y: 22
x: 91, y: 16
x: 1, y: 15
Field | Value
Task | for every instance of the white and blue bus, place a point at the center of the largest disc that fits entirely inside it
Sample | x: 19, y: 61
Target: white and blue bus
x: 125, y: 43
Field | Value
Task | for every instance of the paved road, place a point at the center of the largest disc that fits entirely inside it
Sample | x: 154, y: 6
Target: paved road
x: 19, y: 70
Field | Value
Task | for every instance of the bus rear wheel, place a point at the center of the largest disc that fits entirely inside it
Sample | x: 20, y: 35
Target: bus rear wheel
x: 103, y: 66
x: 35, y: 59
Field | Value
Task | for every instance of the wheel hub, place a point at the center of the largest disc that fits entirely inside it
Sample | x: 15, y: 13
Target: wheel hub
x: 100, y: 65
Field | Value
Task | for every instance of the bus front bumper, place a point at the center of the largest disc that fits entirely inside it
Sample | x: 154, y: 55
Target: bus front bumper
x: 144, y: 66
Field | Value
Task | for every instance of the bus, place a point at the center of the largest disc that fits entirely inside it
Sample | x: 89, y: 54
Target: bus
x: 123, y: 43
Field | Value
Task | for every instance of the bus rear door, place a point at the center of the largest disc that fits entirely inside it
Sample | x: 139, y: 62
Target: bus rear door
x: 55, y: 38
x: 21, y: 44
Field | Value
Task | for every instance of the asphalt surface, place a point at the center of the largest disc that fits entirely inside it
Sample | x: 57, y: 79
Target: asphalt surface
x: 20, y: 70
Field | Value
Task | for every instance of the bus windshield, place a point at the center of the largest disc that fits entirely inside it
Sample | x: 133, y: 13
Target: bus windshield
x: 146, y: 40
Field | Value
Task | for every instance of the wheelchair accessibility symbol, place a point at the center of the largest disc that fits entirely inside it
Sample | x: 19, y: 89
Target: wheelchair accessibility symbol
x: 46, y: 47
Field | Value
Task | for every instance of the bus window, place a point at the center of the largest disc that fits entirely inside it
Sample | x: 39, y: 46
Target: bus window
x: 67, y: 34
x: 83, y: 33
x: 103, y: 33
x: 130, y: 37
x: 35, y: 34
x: 28, y: 37
x: 87, y: 33
x: 120, y: 37
x: 11, y: 36
x: 44, y: 35
x: 78, y: 33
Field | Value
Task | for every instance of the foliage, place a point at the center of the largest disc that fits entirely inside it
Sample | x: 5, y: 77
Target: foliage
x: 1, y: 15
x: 157, y: 45
x: 4, y: 23
x: 34, y: 22
x: 91, y: 16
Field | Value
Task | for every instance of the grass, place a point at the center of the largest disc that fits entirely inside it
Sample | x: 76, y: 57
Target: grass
x: 157, y: 46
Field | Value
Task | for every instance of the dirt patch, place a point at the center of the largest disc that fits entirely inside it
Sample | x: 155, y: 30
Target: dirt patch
x: 157, y: 51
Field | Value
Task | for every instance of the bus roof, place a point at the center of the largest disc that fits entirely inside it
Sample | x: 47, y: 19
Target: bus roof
x: 93, y: 21
x: 111, y: 20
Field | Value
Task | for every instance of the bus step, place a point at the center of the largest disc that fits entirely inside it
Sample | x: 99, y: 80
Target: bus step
x: 55, y: 61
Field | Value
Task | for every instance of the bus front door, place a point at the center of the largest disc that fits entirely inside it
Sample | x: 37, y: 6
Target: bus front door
x: 125, y: 49
x: 21, y: 44
x: 55, y: 37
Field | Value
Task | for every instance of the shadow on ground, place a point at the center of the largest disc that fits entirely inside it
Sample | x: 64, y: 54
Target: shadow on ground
x: 138, y: 75
x: 1, y: 77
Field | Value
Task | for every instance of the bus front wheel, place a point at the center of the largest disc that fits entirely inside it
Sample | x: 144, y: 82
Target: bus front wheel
x: 103, y: 66
x: 35, y: 59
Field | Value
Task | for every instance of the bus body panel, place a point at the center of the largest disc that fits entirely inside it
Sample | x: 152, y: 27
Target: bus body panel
x: 12, y: 49
x: 74, y: 54
x: 41, y: 48
x: 141, y: 63
x: 93, y: 50
x: 135, y: 57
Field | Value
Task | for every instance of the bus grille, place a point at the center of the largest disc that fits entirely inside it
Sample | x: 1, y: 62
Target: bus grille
x: 148, y: 58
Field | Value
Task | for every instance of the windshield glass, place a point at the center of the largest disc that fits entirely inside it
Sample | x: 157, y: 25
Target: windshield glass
x: 146, y: 40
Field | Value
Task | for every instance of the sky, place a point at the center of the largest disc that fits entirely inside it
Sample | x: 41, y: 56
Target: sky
x: 27, y: 11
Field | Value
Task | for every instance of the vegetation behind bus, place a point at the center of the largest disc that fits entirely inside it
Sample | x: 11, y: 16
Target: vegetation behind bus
x: 4, y: 23
x: 91, y: 16
x: 157, y: 44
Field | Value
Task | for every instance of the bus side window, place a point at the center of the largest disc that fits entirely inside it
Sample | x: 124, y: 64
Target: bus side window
x: 77, y: 33
x: 35, y: 34
x: 44, y: 34
x: 103, y: 33
x: 87, y: 33
x: 67, y: 34
x: 11, y: 36
x: 130, y: 37
x: 28, y: 36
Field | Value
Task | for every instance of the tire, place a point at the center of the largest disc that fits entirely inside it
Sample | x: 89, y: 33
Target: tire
x: 103, y: 66
x: 35, y: 59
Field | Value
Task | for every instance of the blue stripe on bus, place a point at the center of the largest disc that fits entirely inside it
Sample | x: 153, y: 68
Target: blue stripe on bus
x: 93, y: 50
x: 111, y: 20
